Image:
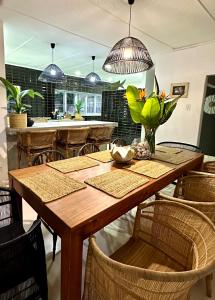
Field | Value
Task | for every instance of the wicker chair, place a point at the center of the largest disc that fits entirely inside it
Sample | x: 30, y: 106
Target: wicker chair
x: 119, y: 142
x: 198, y: 191
x: 22, y: 264
x: 209, y: 167
x: 87, y: 149
x: 172, y: 247
x: 34, y: 142
x: 42, y: 158
x: 181, y: 145
x: 72, y: 139
x: 100, y: 135
x: 47, y: 156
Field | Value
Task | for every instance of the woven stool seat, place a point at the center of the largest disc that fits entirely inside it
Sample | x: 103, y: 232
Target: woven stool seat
x: 172, y: 247
x: 209, y: 167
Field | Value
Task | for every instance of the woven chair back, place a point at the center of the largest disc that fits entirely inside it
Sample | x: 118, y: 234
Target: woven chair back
x: 198, y: 191
x: 23, y: 267
x: 47, y: 156
x: 87, y: 149
x: 181, y: 145
x: 119, y: 142
x: 73, y: 136
x: 37, y: 139
x: 179, y: 231
x: 209, y: 167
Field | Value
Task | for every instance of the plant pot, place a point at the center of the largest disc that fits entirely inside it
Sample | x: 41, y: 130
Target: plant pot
x: 18, y: 120
x: 78, y: 117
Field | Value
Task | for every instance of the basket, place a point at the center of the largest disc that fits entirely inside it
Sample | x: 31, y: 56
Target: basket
x: 18, y: 120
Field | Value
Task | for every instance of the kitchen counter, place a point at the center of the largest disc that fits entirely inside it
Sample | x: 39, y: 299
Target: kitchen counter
x: 52, y: 124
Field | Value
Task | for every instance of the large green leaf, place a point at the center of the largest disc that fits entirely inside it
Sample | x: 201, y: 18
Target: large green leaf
x: 169, y: 107
x: 151, y: 113
x: 11, y: 89
x: 135, y: 106
x: 31, y: 93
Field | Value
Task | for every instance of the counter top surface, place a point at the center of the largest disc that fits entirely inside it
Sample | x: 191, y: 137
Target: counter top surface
x: 59, y: 124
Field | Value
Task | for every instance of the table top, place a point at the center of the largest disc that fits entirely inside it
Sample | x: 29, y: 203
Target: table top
x: 89, y: 209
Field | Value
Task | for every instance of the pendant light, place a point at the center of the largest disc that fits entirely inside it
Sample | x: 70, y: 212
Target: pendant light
x: 92, y: 78
x: 52, y: 73
x: 128, y: 56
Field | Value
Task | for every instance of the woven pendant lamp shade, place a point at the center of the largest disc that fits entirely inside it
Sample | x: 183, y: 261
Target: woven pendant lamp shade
x: 92, y: 78
x: 129, y: 55
x: 53, y: 74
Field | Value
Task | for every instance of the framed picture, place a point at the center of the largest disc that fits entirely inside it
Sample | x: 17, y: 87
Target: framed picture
x: 179, y: 89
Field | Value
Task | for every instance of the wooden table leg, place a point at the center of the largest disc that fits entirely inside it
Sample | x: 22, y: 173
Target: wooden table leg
x: 71, y: 266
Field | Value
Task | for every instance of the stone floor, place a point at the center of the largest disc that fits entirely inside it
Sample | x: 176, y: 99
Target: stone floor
x: 109, y: 239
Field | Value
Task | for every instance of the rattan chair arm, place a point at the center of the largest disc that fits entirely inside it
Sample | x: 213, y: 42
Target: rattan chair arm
x: 201, y: 173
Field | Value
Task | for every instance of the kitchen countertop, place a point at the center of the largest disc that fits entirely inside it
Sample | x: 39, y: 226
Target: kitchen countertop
x: 52, y: 124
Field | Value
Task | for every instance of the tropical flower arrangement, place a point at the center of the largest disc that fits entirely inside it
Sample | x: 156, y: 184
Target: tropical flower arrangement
x: 151, y: 111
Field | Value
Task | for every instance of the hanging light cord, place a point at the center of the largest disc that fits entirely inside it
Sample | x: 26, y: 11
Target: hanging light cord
x: 52, y: 55
x: 129, y: 30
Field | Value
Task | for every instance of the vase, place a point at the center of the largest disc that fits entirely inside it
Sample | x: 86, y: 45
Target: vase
x: 150, y: 138
x: 141, y: 148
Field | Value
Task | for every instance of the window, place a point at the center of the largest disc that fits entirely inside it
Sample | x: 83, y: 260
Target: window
x: 65, y: 102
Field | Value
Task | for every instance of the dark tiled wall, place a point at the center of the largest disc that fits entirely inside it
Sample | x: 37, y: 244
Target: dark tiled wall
x: 115, y: 109
x: 114, y: 106
x: 28, y: 78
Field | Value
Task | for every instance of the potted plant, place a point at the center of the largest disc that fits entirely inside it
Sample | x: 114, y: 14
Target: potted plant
x: 151, y: 111
x: 78, y: 106
x: 18, y: 119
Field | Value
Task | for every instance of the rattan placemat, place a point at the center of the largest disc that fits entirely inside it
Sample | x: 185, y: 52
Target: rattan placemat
x: 166, y: 149
x: 175, y: 159
x: 117, y: 183
x: 73, y: 164
x: 103, y: 156
x: 149, y: 168
x: 51, y: 185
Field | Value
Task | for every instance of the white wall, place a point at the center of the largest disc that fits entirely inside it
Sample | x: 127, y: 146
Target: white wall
x: 3, y: 114
x: 190, y: 65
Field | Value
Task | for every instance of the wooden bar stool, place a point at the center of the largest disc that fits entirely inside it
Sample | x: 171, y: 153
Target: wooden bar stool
x: 100, y: 135
x: 33, y: 142
x: 72, y: 139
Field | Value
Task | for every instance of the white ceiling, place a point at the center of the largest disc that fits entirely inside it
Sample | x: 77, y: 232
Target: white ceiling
x: 82, y: 28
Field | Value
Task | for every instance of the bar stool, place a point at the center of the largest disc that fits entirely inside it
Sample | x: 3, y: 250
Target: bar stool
x: 34, y: 142
x: 72, y: 139
x: 100, y: 135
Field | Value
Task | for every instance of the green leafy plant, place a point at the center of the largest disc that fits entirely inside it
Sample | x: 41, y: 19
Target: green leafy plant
x: 15, y: 94
x: 78, y: 106
x: 151, y: 112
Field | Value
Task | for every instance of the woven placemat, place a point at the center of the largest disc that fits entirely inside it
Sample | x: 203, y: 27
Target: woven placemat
x: 51, y: 185
x: 117, y: 183
x: 73, y: 164
x: 175, y: 159
x: 103, y: 156
x: 149, y: 168
x: 166, y: 149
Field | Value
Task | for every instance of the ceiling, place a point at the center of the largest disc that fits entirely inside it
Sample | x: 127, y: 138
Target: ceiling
x: 82, y: 28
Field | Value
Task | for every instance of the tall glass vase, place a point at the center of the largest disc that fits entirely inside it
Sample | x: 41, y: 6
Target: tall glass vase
x: 150, y: 138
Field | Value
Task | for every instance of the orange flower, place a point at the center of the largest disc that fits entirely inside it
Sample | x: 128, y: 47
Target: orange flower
x: 142, y: 94
x: 163, y: 94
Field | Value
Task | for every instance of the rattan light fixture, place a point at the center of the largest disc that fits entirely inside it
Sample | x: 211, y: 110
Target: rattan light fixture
x: 92, y: 78
x: 52, y: 73
x: 128, y: 56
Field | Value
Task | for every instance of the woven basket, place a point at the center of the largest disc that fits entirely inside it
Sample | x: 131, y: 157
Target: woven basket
x: 18, y: 120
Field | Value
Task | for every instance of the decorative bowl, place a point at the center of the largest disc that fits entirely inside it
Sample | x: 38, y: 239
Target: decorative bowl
x: 122, y: 154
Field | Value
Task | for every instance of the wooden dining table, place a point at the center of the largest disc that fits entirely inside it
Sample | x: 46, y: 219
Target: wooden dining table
x: 82, y: 213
